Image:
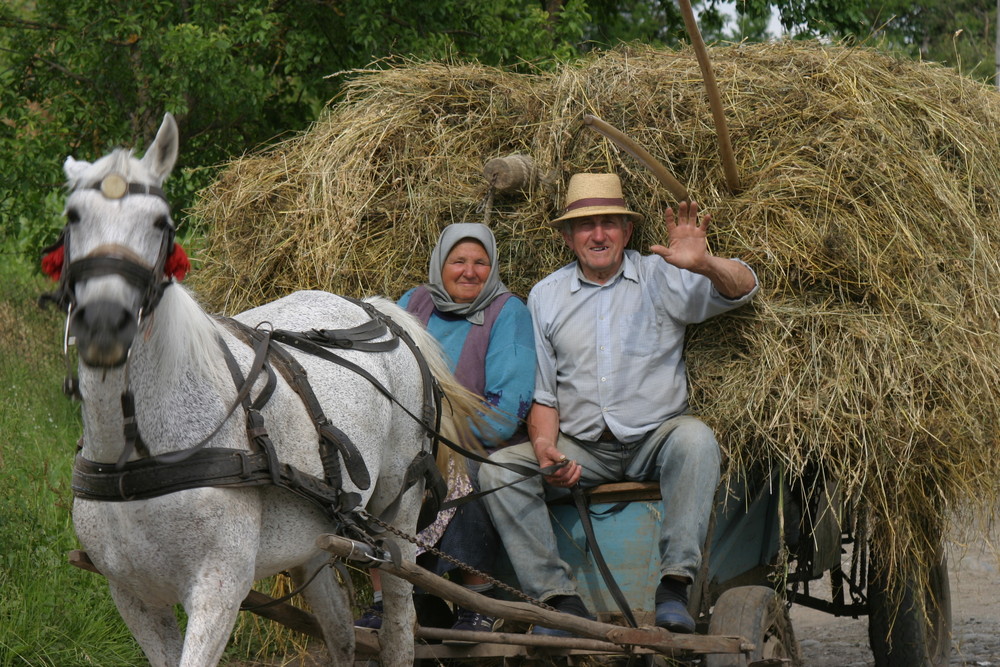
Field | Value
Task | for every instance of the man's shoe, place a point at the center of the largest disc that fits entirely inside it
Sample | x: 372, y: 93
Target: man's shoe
x: 673, y: 615
x: 471, y: 621
x: 567, y: 604
x: 372, y: 618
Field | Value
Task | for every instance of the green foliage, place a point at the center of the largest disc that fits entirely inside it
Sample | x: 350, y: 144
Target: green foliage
x: 79, y: 77
x: 959, y: 33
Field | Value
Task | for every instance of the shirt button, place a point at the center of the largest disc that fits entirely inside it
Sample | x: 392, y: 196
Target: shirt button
x: 602, y: 348
x: 604, y: 379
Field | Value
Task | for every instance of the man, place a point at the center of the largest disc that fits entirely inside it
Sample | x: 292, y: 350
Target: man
x: 611, y: 390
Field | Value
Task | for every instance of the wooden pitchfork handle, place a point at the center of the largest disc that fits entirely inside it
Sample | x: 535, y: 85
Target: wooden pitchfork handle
x: 625, y: 143
x: 714, y: 98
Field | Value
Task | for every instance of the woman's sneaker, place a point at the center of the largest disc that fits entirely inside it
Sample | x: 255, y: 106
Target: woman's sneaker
x: 372, y: 618
x: 468, y: 620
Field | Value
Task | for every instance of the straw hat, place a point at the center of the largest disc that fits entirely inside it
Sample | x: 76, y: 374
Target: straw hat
x: 594, y: 194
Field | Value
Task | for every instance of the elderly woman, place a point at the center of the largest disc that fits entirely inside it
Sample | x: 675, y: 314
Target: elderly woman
x: 486, y: 333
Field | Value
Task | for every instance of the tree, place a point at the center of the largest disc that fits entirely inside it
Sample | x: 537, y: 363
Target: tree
x: 957, y: 33
x: 82, y: 76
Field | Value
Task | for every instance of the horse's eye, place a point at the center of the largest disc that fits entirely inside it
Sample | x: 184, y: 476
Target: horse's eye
x: 163, y: 222
x: 72, y: 216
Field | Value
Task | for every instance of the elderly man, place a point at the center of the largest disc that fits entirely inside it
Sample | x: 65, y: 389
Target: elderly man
x: 611, y: 393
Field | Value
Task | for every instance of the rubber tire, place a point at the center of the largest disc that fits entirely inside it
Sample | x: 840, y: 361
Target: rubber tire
x: 913, y: 640
x: 758, y: 615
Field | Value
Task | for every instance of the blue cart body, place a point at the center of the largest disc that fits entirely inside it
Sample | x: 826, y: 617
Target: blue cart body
x: 744, y: 541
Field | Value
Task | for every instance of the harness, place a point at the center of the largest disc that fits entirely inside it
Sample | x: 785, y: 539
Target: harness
x: 201, y: 465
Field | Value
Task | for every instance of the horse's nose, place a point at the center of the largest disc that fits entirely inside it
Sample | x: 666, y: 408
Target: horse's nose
x: 104, y: 331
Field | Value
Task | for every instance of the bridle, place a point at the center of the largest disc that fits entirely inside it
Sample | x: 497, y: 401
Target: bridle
x: 151, y: 280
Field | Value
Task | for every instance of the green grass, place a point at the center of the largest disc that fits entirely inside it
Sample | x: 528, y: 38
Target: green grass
x: 50, y: 613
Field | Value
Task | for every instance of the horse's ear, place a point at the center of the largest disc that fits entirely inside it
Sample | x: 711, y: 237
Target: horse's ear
x: 74, y: 169
x: 162, y: 153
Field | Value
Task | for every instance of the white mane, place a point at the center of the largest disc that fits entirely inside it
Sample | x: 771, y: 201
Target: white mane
x: 184, y: 334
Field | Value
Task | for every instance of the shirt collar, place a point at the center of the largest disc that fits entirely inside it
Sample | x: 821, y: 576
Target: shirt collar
x: 627, y: 270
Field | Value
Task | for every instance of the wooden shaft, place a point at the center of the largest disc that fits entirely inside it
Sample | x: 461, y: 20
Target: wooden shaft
x: 653, y: 638
x: 714, y: 98
x: 518, y: 639
x: 626, y: 143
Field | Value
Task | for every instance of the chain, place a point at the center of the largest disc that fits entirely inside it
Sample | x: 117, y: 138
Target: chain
x: 454, y: 561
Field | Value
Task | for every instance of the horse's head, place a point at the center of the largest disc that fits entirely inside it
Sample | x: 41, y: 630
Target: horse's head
x: 117, y: 243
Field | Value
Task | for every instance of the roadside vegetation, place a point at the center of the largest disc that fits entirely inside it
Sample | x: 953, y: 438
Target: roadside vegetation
x: 50, y: 613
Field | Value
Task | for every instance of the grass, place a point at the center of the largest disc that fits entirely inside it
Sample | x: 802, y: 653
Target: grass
x: 50, y: 612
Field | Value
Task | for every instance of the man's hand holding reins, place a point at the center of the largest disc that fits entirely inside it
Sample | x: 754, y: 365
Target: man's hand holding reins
x: 568, y: 472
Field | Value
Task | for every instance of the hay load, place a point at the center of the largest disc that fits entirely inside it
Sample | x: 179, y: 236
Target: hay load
x: 870, y: 208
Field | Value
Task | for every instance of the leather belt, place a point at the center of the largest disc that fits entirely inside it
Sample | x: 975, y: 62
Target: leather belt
x: 607, y: 436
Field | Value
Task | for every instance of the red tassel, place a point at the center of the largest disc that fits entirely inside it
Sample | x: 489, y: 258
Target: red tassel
x: 52, y: 263
x: 177, y: 264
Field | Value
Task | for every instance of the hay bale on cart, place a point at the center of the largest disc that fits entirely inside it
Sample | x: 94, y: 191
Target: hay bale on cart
x: 869, y: 205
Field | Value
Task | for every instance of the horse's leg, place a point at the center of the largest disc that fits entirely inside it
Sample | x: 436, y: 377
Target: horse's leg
x: 212, y: 606
x: 328, y: 600
x: 396, y: 635
x: 398, y: 622
x: 154, y: 627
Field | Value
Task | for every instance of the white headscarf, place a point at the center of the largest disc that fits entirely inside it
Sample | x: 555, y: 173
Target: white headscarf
x: 451, y: 236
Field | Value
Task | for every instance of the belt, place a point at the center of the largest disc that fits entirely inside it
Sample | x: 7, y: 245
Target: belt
x: 607, y: 436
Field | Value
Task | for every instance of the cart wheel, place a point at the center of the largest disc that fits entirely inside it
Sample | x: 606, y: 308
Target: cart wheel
x: 756, y: 614
x: 917, y: 632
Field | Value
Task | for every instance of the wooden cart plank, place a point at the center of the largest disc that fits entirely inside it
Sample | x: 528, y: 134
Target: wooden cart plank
x: 657, y: 639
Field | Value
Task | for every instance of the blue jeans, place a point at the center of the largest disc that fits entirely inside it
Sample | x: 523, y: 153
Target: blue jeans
x: 682, y: 454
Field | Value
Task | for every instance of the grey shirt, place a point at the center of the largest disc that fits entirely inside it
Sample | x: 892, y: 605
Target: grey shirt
x: 612, y: 355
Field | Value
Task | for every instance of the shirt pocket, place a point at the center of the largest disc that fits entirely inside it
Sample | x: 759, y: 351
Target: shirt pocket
x: 639, y: 334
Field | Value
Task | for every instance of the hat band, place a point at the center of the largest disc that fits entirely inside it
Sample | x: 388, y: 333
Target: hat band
x: 595, y: 201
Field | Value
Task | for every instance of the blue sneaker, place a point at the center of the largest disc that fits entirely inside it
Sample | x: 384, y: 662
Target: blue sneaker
x: 372, y: 618
x: 469, y: 620
x: 566, y: 604
x: 673, y: 615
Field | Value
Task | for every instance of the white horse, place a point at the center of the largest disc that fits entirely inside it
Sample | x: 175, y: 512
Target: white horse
x: 139, y: 333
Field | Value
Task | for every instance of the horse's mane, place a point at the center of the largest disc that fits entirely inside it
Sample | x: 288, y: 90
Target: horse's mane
x: 185, y: 334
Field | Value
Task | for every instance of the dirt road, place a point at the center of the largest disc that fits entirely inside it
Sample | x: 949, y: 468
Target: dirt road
x: 974, y: 566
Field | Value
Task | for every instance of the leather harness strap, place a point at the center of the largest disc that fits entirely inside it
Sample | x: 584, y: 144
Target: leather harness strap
x: 582, y: 507
x: 199, y: 465
x: 331, y: 439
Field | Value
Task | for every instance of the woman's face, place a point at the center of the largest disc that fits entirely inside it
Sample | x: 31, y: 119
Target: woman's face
x: 465, y: 271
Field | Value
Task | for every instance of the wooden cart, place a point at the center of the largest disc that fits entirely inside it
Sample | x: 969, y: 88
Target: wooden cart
x: 740, y: 599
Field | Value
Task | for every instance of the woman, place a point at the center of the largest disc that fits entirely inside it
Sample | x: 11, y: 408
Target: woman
x: 486, y: 333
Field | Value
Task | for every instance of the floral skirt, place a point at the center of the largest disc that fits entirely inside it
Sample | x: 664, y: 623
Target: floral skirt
x: 464, y: 532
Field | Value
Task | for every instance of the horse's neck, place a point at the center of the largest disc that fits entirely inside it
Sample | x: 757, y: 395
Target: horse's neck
x: 103, y: 437
x: 178, y: 379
